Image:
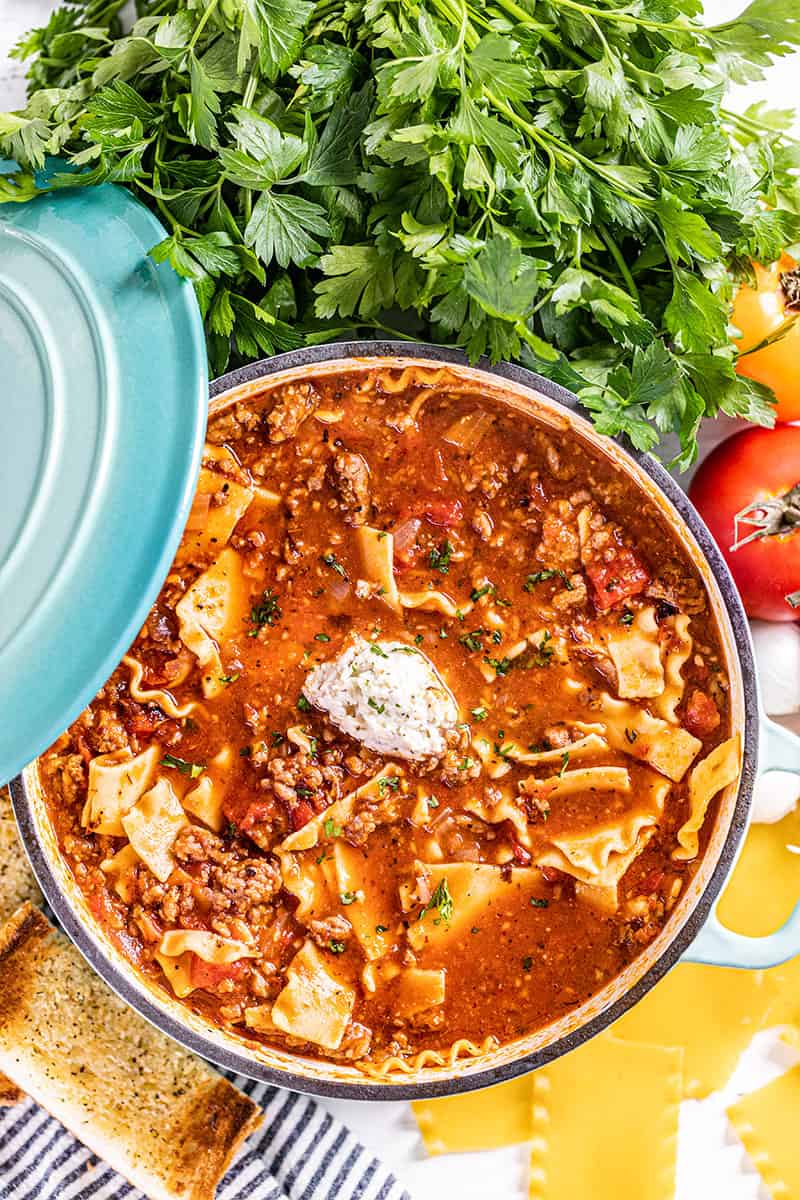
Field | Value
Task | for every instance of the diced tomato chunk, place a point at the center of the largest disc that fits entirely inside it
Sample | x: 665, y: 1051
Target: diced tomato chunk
x: 245, y: 816
x: 618, y: 579
x: 652, y: 881
x: 210, y: 975
x: 301, y: 814
x: 443, y: 512
x: 702, y: 715
x: 142, y: 719
x: 521, y: 854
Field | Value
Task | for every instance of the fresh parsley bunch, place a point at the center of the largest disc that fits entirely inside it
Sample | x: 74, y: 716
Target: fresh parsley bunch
x: 551, y: 180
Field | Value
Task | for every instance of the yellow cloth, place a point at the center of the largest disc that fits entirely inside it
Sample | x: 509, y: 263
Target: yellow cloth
x: 767, y: 1123
x: 605, y: 1122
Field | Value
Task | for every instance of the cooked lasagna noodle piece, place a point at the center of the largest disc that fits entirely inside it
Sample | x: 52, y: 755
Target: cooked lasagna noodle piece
x: 422, y: 740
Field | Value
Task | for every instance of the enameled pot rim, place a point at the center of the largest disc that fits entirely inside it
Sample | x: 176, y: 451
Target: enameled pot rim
x: 459, y: 1077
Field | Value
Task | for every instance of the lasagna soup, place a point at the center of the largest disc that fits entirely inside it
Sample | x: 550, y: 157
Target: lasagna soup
x: 420, y: 743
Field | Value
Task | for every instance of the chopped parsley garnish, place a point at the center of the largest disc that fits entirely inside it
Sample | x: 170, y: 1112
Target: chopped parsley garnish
x: 500, y: 665
x: 441, y: 900
x: 336, y: 947
x: 631, y: 735
x: 542, y: 576
x: 347, y: 898
x: 331, y: 829
x: 473, y: 640
x: 544, y: 651
x: 626, y: 618
x: 378, y: 650
x: 379, y: 708
x: 226, y: 679
x: 332, y: 561
x: 321, y: 637
x: 392, y: 782
x: 537, y: 902
x: 419, y: 639
x: 277, y: 738
x: 488, y: 589
x: 466, y: 764
x: 440, y: 558
x: 433, y: 802
x: 480, y: 714
x: 527, y: 962
x: 180, y: 764
x: 303, y: 704
x: 267, y: 612
x: 443, y: 632
x: 245, y: 751
x: 381, y: 928
x: 564, y: 763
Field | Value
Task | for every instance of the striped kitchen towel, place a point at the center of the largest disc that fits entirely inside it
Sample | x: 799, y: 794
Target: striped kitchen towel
x: 301, y: 1152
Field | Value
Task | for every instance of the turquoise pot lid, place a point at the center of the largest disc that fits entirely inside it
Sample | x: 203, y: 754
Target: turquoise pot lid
x: 102, y: 419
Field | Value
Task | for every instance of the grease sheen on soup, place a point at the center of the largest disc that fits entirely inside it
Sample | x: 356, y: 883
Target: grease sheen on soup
x: 482, y: 810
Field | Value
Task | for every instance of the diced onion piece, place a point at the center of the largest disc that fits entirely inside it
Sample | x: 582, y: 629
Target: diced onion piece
x: 467, y: 431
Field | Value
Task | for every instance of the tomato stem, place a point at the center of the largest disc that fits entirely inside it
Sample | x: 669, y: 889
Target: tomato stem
x: 768, y: 518
x: 793, y: 599
x: 790, y: 286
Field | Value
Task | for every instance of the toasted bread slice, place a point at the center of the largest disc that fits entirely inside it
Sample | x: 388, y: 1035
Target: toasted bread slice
x: 151, y: 1110
x: 17, y: 885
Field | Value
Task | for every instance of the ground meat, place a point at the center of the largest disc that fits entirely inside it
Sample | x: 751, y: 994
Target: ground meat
x: 572, y: 597
x: 367, y: 820
x: 457, y: 768
x: 330, y: 929
x: 68, y: 772
x: 295, y: 402
x: 239, y: 885
x: 559, y: 546
x: 350, y: 477
x: 482, y: 524
x: 702, y: 715
x: 224, y: 428
x: 489, y: 478
x: 195, y: 844
x: 303, y: 785
x: 356, y: 1041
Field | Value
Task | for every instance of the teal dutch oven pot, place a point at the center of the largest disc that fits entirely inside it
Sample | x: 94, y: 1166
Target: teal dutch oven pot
x: 693, y: 933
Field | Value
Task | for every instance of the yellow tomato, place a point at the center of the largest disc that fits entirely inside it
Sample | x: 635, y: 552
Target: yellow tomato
x: 758, y: 312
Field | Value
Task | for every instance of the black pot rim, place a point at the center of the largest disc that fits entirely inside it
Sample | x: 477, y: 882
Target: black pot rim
x: 239, y: 1062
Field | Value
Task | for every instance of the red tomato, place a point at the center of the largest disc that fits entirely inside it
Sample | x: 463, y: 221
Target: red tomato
x: 210, y: 975
x: 752, y: 475
x: 759, y: 312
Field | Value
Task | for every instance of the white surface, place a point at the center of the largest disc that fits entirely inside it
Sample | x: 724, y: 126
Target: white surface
x: 711, y: 1162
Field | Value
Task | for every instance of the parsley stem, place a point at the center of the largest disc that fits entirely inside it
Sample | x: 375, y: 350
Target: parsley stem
x: 201, y: 24
x: 625, y: 17
x: 616, y: 254
x: 525, y: 18
x: 751, y: 125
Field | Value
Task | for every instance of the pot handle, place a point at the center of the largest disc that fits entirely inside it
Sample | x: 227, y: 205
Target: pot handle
x: 719, y: 946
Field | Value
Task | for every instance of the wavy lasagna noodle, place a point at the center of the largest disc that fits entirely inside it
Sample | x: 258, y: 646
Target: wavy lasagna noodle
x: 255, y: 842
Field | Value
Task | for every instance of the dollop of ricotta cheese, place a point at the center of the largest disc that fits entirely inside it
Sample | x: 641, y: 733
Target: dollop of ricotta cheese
x: 386, y: 695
